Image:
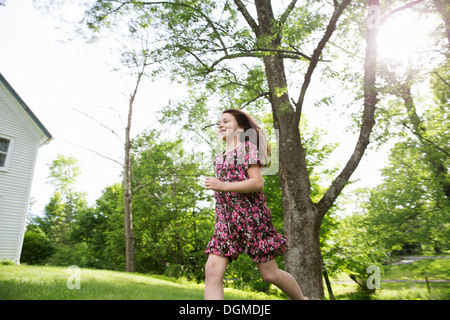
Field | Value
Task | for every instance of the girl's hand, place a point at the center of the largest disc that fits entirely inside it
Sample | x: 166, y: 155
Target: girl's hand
x: 214, y: 184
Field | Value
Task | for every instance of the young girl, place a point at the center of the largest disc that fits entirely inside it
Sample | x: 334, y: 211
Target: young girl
x: 243, y: 220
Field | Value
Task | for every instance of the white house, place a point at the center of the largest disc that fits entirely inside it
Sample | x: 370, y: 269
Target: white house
x: 21, y: 135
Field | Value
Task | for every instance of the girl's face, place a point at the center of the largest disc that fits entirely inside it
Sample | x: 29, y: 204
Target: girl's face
x: 227, y: 126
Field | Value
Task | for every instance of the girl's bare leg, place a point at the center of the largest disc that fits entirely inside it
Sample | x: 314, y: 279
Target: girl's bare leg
x: 214, y: 272
x: 283, y: 280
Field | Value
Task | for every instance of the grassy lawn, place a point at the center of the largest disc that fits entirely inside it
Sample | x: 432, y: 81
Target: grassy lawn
x: 409, y: 289
x: 50, y: 283
x: 393, y: 291
x: 437, y: 269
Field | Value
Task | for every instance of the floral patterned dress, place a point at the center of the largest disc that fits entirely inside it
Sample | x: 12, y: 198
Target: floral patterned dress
x: 243, y: 220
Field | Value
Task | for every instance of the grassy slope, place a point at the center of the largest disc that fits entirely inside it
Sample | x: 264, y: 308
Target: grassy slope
x: 37, y: 282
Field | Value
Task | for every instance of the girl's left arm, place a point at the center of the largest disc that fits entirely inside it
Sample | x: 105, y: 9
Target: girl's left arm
x: 254, y: 183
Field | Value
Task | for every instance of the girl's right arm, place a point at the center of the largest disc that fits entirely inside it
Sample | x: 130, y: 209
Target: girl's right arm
x: 254, y: 183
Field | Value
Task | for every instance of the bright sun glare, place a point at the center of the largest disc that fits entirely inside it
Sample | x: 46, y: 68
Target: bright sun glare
x: 402, y: 36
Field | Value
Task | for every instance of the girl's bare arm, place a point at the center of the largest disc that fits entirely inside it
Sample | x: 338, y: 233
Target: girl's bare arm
x: 254, y: 183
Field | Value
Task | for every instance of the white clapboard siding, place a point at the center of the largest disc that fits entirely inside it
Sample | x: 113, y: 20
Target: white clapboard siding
x: 18, y: 124
x: 15, y: 182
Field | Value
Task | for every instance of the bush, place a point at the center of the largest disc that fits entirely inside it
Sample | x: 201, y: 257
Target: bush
x: 36, y: 247
x: 6, y: 262
x: 174, y: 271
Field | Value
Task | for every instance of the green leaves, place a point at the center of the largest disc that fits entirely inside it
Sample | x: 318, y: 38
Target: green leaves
x: 409, y: 207
x: 302, y: 22
x: 63, y: 173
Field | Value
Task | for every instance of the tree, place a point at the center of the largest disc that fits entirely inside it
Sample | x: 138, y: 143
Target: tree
x: 203, y: 41
x: 63, y: 174
x: 127, y: 193
x: 352, y: 248
x: 135, y: 60
x: 408, y: 210
x: 110, y: 220
x: 170, y: 222
x: 48, y: 237
x: 60, y: 212
x: 303, y: 218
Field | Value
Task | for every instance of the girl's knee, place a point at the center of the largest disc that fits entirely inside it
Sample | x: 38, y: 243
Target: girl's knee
x: 210, y: 269
x: 270, y: 276
x: 269, y: 271
x: 215, y: 268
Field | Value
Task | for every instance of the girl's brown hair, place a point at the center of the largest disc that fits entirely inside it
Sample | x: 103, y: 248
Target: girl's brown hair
x: 246, y: 122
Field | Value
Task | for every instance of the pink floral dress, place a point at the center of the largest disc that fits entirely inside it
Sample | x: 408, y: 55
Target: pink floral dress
x: 243, y: 220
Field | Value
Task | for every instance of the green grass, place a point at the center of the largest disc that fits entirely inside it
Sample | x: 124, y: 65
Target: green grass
x: 50, y: 283
x: 25, y: 282
x: 393, y: 291
x: 408, y: 289
x: 437, y: 269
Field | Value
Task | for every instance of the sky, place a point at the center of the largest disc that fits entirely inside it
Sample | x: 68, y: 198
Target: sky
x: 57, y: 74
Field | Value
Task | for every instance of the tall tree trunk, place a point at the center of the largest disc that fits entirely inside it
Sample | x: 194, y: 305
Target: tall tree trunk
x: 127, y: 196
x: 127, y: 193
x: 303, y: 218
x: 303, y: 260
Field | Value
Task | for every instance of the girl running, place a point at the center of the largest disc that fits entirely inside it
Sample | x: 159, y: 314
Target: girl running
x: 243, y: 220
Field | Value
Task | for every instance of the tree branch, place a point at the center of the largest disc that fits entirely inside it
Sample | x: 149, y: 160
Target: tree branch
x: 251, y: 22
x: 406, y: 6
x: 285, y: 53
x: 136, y: 189
x: 443, y: 80
x: 370, y: 101
x: 93, y: 151
x: 264, y: 94
x: 252, y: 53
x: 289, y: 53
x: 426, y: 140
x: 288, y: 11
x: 318, y: 52
x: 104, y: 126
x: 233, y: 56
